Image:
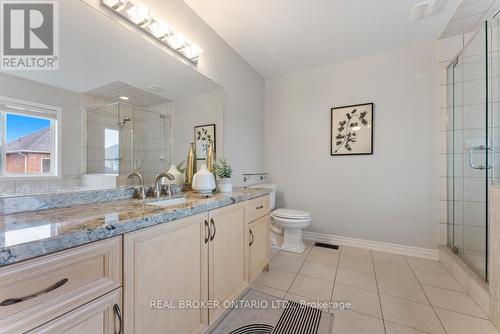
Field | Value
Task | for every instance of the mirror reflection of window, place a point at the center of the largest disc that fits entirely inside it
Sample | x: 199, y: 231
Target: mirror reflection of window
x: 112, y: 151
x: 29, y: 147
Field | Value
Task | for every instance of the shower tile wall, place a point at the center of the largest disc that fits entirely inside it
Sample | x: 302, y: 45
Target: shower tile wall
x: 89, y: 149
x: 469, y: 122
x: 448, y: 48
x: 144, y: 140
x: 152, y: 136
x: 471, y: 101
x: 97, y: 122
x: 494, y: 90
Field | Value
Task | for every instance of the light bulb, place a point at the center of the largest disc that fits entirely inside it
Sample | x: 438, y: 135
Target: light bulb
x: 140, y: 15
x: 159, y: 29
x: 115, y: 4
x: 192, y: 51
x: 177, y: 40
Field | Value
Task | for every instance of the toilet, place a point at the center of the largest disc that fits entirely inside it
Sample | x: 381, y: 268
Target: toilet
x: 286, y: 222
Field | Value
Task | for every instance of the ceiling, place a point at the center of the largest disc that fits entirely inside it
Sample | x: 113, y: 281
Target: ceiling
x: 470, y: 16
x: 97, y: 48
x: 277, y: 37
x: 116, y: 90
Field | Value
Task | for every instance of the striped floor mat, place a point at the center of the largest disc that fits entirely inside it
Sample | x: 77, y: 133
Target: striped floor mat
x: 254, y: 329
x: 295, y: 319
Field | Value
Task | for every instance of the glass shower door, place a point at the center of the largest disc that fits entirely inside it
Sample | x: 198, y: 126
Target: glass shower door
x: 470, y: 161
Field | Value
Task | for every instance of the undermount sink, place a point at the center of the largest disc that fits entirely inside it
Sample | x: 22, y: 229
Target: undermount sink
x: 169, y: 202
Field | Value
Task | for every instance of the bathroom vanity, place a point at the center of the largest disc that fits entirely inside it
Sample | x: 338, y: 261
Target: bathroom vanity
x: 78, y: 254
x: 130, y: 266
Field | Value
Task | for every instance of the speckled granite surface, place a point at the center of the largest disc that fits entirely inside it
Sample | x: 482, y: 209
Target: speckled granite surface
x: 31, y: 234
x: 24, y: 203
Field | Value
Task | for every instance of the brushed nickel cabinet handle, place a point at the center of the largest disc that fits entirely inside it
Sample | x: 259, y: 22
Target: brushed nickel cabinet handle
x: 12, y: 301
x: 259, y: 207
x: 118, y: 314
x: 251, y: 238
x: 207, y: 231
x: 215, y: 230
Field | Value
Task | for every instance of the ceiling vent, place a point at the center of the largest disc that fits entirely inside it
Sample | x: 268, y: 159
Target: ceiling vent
x: 425, y: 9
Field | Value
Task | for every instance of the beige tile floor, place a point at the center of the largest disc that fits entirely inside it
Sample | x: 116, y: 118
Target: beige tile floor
x: 391, y: 294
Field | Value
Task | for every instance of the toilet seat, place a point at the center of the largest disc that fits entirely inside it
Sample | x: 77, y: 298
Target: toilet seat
x: 291, y: 214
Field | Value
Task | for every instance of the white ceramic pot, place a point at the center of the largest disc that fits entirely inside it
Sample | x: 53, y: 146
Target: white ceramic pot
x: 203, y: 181
x: 225, y: 185
x: 179, y: 177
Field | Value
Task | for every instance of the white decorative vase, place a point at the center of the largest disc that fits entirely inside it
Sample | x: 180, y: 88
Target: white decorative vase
x: 179, y: 177
x: 225, y: 184
x: 203, y: 180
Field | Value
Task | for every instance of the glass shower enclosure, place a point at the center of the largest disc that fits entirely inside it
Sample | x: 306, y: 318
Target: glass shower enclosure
x: 473, y: 132
x: 122, y: 138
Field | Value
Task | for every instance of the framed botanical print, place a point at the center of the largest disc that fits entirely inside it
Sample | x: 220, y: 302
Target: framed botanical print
x: 204, y: 135
x: 352, y: 130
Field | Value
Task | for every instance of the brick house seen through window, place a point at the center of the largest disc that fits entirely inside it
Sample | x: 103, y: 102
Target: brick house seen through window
x: 29, y: 139
x: 29, y: 154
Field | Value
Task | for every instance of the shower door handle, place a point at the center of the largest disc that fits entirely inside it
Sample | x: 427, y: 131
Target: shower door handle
x: 472, y: 160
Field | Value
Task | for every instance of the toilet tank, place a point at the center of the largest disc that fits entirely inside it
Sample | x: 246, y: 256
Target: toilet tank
x: 272, y: 195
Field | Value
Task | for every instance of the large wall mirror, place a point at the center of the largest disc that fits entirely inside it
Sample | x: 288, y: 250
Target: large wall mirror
x: 118, y: 102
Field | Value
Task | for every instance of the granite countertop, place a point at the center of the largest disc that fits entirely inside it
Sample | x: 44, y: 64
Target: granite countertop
x: 31, y: 234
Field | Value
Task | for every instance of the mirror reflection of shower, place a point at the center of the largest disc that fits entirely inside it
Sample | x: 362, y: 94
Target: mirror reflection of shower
x: 122, y: 137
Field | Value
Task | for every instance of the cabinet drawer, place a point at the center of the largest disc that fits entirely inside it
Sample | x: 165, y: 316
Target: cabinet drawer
x: 100, y: 316
x: 257, y: 208
x: 39, y: 290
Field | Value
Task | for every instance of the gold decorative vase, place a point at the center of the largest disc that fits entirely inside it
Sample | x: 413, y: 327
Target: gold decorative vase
x: 190, y: 167
x: 210, y: 158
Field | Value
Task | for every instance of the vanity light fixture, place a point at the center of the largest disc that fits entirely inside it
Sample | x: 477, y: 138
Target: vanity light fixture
x: 192, y: 50
x: 177, y: 40
x: 143, y: 17
x: 140, y: 15
x: 160, y: 29
x: 117, y: 5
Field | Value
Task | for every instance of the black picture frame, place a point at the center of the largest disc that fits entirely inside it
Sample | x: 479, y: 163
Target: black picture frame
x: 334, y: 149
x: 213, y: 130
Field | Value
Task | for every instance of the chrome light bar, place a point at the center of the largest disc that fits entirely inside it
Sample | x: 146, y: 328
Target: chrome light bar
x: 142, y: 17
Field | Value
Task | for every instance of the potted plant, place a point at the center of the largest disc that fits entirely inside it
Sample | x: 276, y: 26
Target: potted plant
x: 223, y: 171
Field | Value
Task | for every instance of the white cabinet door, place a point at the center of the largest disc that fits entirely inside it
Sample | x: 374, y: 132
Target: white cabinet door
x: 163, y: 265
x: 259, y: 245
x: 227, y: 266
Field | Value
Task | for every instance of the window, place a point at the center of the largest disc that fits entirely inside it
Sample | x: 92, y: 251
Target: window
x: 28, y: 139
x: 112, y: 151
x: 45, y: 165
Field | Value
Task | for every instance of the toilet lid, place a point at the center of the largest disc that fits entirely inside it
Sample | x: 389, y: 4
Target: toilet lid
x: 291, y: 214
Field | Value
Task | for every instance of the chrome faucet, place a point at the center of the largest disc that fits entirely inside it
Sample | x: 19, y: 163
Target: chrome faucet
x: 141, y: 181
x: 158, y: 178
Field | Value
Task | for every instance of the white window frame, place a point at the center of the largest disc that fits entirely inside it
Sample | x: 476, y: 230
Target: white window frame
x: 55, y: 130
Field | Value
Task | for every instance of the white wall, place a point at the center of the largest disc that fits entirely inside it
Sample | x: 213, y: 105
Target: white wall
x: 243, y: 87
x: 390, y: 196
x: 197, y: 110
x: 69, y: 102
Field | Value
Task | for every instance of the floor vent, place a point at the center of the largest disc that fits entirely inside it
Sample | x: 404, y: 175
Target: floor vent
x: 320, y: 244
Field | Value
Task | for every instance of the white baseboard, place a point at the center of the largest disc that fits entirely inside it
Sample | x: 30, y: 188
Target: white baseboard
x: 426, y: 253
